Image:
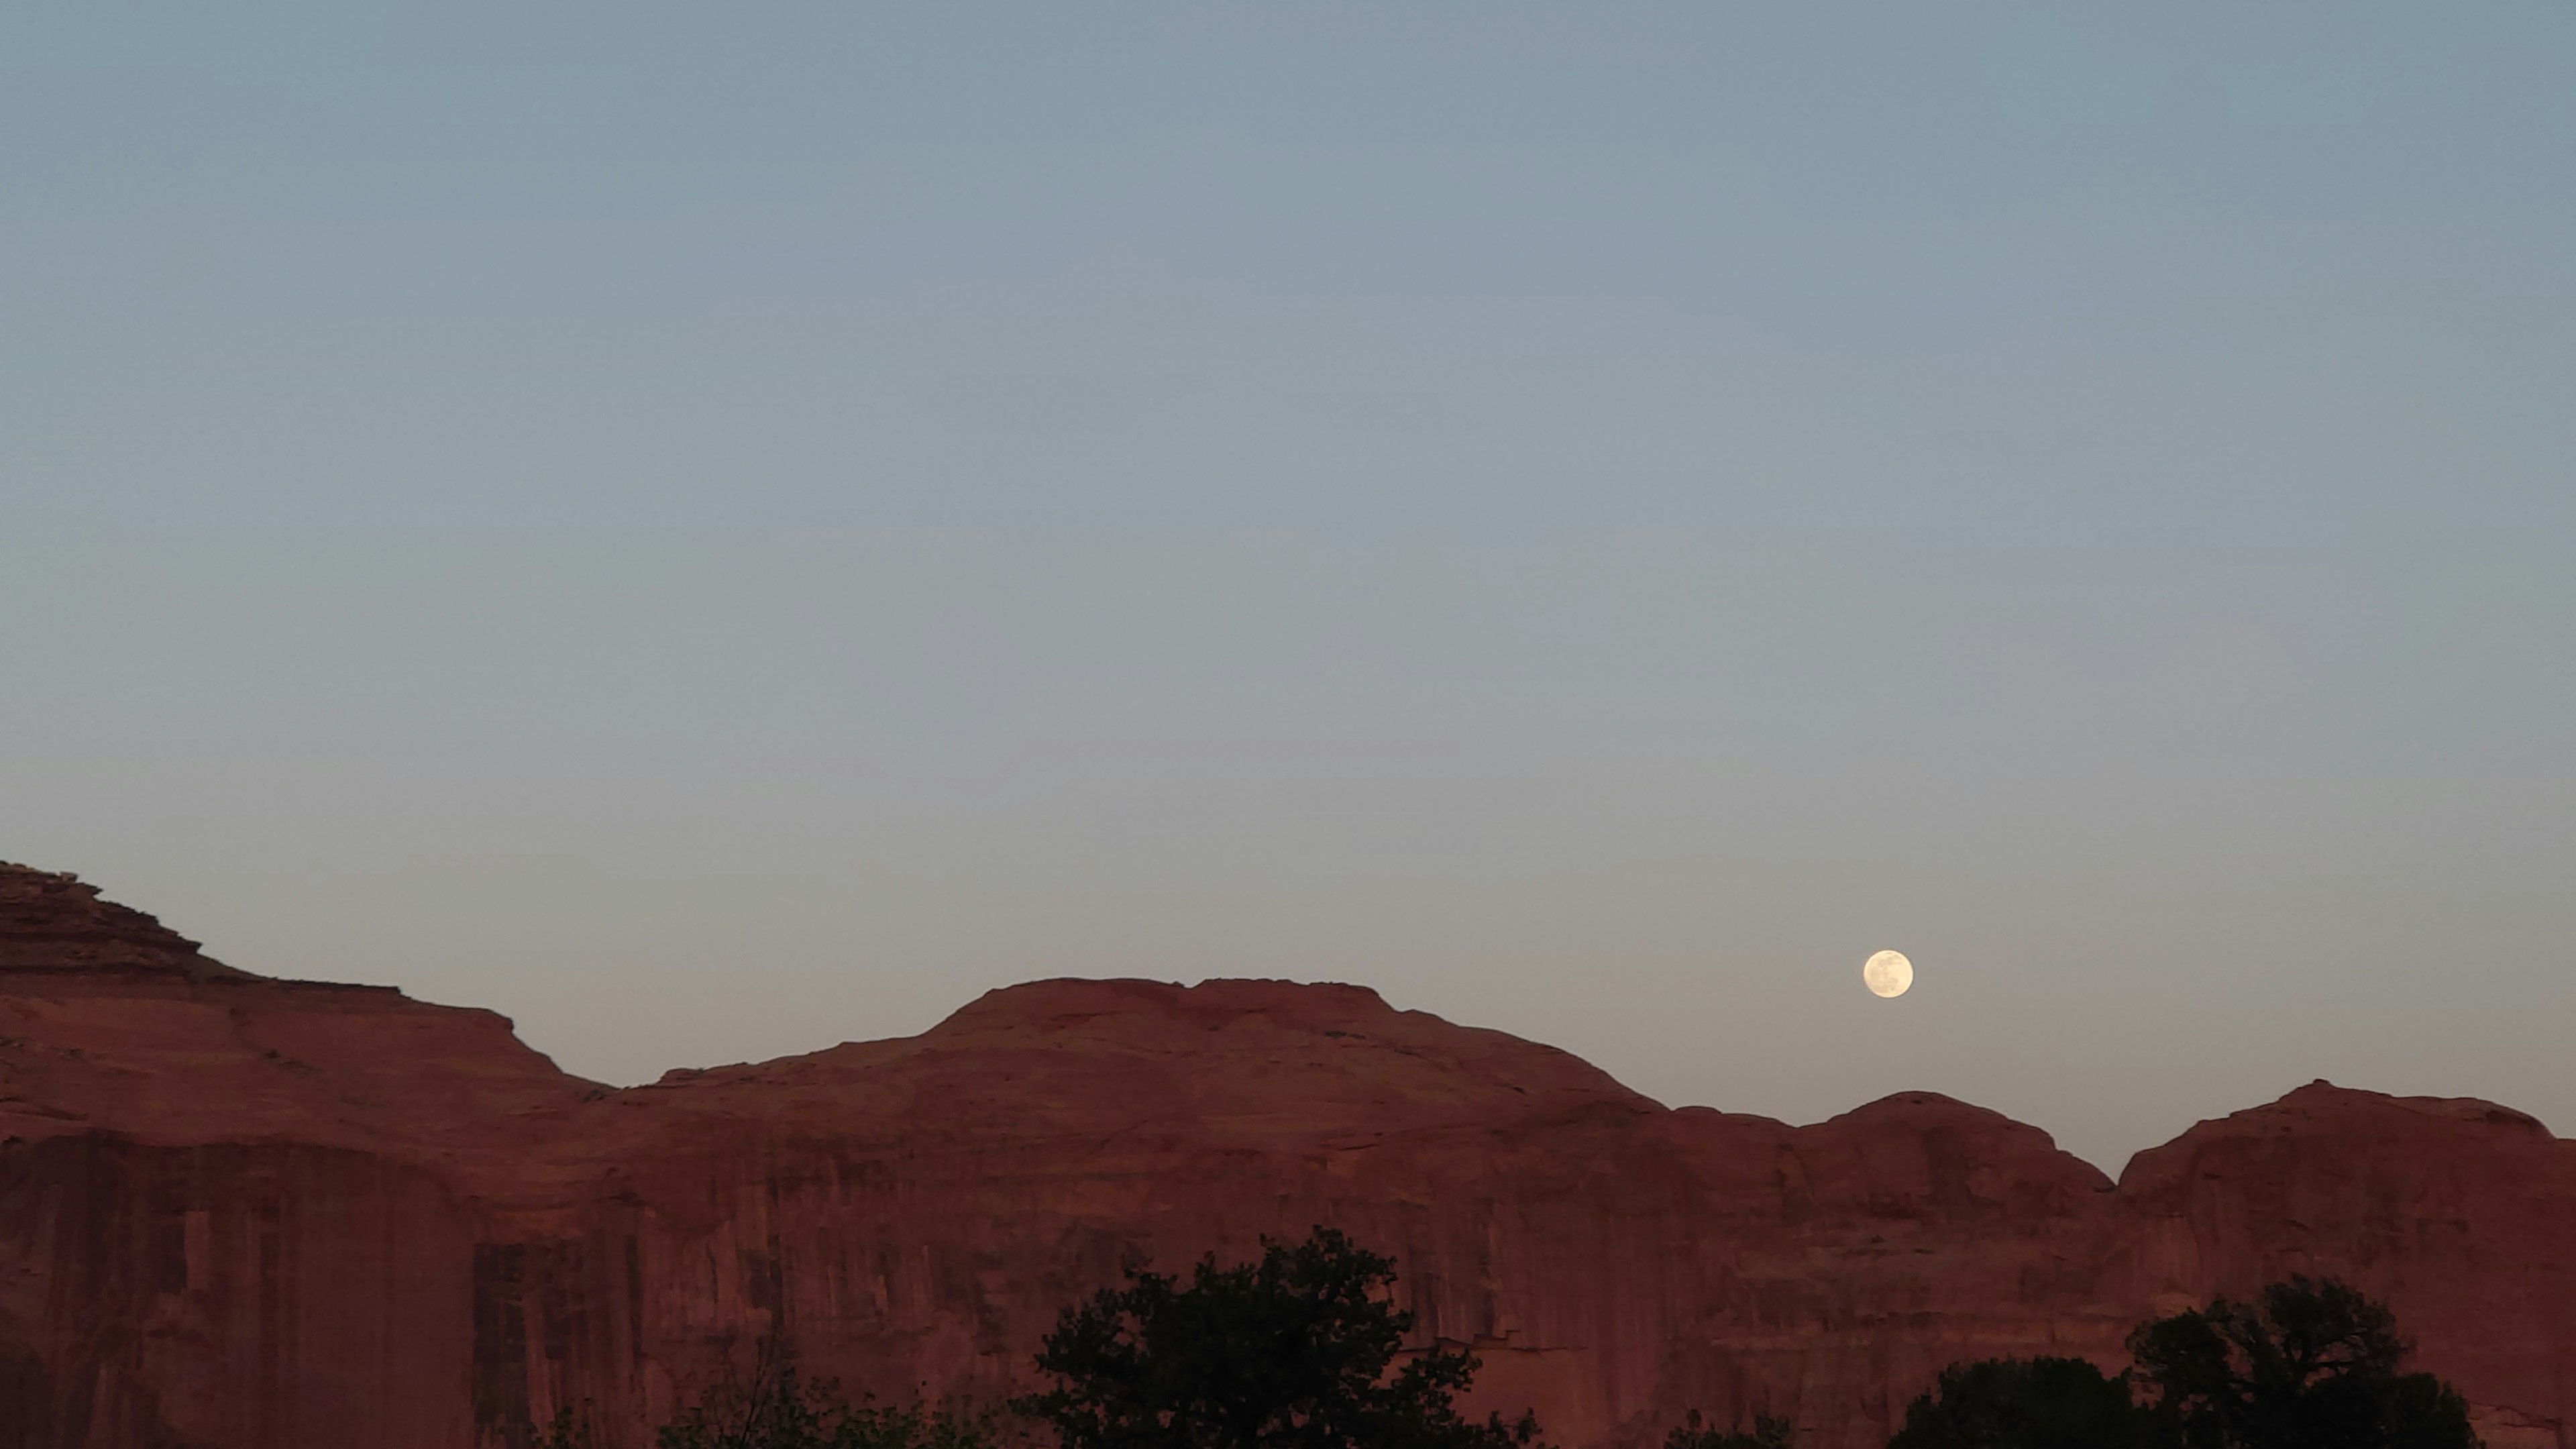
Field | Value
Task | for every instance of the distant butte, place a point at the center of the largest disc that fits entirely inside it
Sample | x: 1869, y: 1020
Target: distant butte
x: 239, y: 1213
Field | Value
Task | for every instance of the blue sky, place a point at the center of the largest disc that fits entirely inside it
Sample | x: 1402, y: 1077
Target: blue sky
x: 1588, y: 518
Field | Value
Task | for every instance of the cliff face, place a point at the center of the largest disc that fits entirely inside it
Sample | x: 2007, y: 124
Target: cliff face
x: 244, y: 1212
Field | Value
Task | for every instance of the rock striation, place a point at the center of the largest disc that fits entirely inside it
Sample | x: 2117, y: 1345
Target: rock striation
x: 242, y: 1213
x: 51, y: 921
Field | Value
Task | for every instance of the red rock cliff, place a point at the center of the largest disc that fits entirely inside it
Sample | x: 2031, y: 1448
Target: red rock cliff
x: 236, y: 1211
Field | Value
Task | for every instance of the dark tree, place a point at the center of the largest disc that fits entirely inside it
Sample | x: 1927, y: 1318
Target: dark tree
x: 1766, y: 1433
x: 2314, y: 1366
x: 1291, y: 1352
x: 2040, y: 1403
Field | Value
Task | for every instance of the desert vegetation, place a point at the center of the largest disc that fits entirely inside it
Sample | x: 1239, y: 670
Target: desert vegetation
x: 1292, y: 1351
x: 2307, y: 1365
x: 1303, y: 1349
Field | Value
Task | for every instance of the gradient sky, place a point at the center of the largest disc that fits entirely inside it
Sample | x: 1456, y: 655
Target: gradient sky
x: 717, y: 531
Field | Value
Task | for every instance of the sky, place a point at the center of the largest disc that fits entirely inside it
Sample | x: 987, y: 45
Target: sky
x: 715, y: 531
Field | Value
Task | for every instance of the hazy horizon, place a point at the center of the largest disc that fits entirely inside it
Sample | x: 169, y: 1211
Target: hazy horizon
x: 718, y: 534
x: 2114, y: 1168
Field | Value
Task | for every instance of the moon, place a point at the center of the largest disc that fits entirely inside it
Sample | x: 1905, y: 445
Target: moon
x: 1887, y: 974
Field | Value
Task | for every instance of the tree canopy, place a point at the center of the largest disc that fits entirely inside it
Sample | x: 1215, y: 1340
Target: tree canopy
x: 2312, y: 1365
x: 1293, y: 1351
x: 1304, y: 1348
x: 2309, y: 1365
x: 2039, y: 1403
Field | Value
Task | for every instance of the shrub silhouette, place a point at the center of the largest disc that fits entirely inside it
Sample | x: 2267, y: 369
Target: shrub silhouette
x: 2313, y: 1364
x: 1290, y: 1352
x: 2040, y: 1403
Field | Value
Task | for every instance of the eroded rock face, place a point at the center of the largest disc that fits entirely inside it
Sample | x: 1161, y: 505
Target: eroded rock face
x: 241, y: 1212
x: 51, y: 921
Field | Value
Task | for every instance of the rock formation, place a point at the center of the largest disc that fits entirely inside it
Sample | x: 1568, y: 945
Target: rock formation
x: 244, y: 1213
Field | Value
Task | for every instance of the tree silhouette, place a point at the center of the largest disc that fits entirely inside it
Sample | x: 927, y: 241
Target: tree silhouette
x: 2040, y: 1403
x: 2311, y: 1365
x: 2314, y: 1365
x: 1290, y: 1352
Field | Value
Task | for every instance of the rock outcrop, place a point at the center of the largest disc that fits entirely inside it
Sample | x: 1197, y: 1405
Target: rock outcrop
x: 241, y: 1213
x: 51, y: 921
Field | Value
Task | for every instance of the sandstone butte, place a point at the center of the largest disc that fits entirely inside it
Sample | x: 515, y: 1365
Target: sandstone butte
x: 246, y: 1213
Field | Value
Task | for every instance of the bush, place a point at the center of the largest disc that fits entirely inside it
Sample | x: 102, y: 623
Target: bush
x: 2312, y: 1365
x: 1290, y: 1352
x: 2040, y: 1403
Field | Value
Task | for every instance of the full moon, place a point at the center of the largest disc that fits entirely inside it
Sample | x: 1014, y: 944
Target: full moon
x: 1887, y: 974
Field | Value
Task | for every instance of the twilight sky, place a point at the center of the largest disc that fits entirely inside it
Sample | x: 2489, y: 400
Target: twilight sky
x: 720, y: 530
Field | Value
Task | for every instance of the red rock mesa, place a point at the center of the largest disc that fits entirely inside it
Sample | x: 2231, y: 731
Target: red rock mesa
x: 245, y: 1213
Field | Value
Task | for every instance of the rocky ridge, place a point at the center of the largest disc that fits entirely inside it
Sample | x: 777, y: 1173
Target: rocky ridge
x: 244, y: 1212
x: 51, y: 921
